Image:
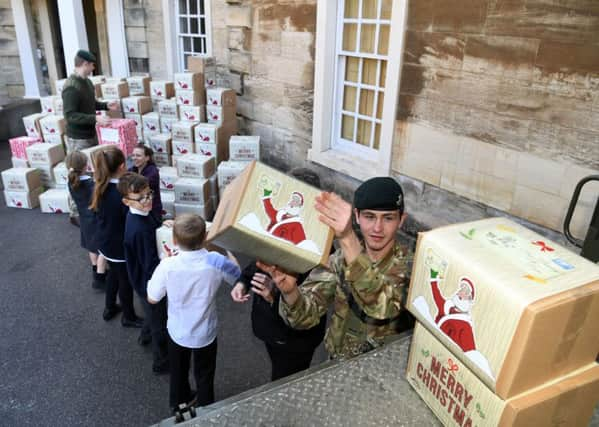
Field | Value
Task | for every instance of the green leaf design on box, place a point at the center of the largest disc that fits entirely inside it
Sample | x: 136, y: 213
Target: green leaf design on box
x: 480, y: 411
x: 469, y: 234
x: 425, y: 353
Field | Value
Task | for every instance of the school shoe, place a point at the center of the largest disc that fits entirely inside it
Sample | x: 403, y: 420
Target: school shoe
x: 99, y: 281
x: 110, y: 312
x: 138, y: 322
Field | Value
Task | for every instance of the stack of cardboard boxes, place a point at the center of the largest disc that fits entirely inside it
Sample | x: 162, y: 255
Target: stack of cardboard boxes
x: 134, y: 107
x: 53, y: 128
x: 44, y: 156
x: 507, y: 327
x: 193, y: 192
x: 168, y: 179
x: 18, y: 150
x: 22, y: 187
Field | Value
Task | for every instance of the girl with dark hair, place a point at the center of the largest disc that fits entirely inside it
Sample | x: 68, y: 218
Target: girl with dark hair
x: 81, y: 187
x: 109, y: 164
x: 143, y: 164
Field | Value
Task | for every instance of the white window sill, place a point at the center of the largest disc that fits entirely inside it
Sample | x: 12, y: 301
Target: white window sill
x: 359, y: 168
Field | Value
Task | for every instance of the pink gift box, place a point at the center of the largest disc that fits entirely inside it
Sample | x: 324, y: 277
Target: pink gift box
x: 18, y: 145
x: 120, y: 132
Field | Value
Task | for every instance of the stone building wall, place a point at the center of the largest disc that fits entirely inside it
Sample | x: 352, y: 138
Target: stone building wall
x: 11, y: 77
x: 499, y: 104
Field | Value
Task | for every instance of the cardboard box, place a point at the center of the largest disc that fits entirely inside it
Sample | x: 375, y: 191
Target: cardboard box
x: 164, y: 242
x: 205, y: 210
x: 137, y: 118
x: 160, y: 143
x: 114, y: 80
x: 47, y: 153
x: 221, y: 97
x: 183, y: 130
x: 210, y: 79
x: 189, y: 82
x: 46, y: 172
x: 21, y: 179
x: 55, y: 201
x: 32, y: 125
x: 137, y: 104
x: 19, y: 145
x: 139, y: 85
x: 168, y: 178
x: 168, y: 108
x: 213, y: 186
x: 55, y: 138
x: 213, y: 139
x: 47, y: 104
x: 192, y: 113
x: 516, y: 308
x: 120, y: 132
x: 99, y: 79
x: 23, y: 200
x: 52, y: 126
x: 162, y: 160
x: 196, y: 166
x: 90, y: 153
x: 166, y: 125
x: 151, y: 123
x: 220, y: 115
x: 244, y: 148
x: 181, y: 148
x: 190, y: 97
x: 168, y: 204
x: 161, y: 89
x: 458, y: 397
x: 191, y: 191
x: 115, y: 90
x: 58, y: 106
x: 227, y: 172
x: 200, y: 64
x: 270, y: 216
x: 58, y: 85
x: 19, y: 163
x: 61, y: 175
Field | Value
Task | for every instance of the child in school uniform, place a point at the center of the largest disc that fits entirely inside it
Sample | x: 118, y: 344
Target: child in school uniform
x: 142, y: 258
x: 191, y: 280
x: 81, y: 187
x: 109, y: 165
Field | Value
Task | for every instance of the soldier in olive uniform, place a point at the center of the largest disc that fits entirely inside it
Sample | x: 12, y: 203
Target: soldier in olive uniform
x: 365, y: 280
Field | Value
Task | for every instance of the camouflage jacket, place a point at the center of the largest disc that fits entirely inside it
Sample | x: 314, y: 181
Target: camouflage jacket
x: 379, y: 289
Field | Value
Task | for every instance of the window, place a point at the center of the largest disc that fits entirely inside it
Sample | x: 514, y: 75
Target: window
x: 354, y: 107
x: 193, y: 30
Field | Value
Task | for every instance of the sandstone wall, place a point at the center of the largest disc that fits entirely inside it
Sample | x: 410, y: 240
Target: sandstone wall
x: 11, y: 77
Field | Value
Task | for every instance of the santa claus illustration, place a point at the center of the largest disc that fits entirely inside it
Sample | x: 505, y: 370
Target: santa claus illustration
x: 285, y: 222
x: 454, y: 313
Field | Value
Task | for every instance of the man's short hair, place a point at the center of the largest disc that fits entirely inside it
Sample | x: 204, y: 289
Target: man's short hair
x: 132, y: 182
x: 189, y: 231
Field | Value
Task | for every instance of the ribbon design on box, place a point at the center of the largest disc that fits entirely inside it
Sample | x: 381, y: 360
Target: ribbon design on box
x: 543, y: 246
x: 452, y: 366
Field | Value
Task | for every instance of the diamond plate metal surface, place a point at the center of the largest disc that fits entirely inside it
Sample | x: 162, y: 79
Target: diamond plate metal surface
x: 370, y: 390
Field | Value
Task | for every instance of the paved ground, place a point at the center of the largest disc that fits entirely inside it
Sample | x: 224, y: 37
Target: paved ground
x: 60, y: 363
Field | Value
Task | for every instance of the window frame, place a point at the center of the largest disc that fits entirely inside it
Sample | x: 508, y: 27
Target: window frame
x: 179, y: 37
x: 351, y: 159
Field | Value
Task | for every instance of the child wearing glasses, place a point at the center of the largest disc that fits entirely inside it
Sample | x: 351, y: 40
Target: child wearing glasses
x: 142, y: 258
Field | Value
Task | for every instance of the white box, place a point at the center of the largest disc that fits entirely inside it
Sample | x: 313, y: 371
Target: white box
x: 190, y: 97
x: 115, y: 90
x: 188, y: 81
x: 59, y: 84
x: 166, y: 124
x: 46, y: 173
x: 99, y: 79
x: 160, y: 143
x: 32, y: 125
x: 161, y: 89
x: 168, y: 178
x: 151, y: 123
x: 22, y: 199
x: 209, y: 79
x: 191, y: 191
x: 58, y: 110
x: 139, y: 85
x: 137, y: 104
x: 205, y: 210
x: 183, y: 131
x: 137, y: 118
x: 162, y: 159
x: 21, y: 179
x: 164, y: 242
x: 19, y: 163
x: 47, y: 103
x: 61, y: 175
x: 52, y: 126
x: 196, y: 166
x: 55, y: 201
x: 54, y: 138
x: 221, y: 97
x: 244, y: 148
x: 220, y: 115
x: 168, y: 108
x: 168, y: 204
x: 89, y: 153
x: 227, y: 172
x: 182, y: 147
x: 193, y: 113
x: 49, y: 154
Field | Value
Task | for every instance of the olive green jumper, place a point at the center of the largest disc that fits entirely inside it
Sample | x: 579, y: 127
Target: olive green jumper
x: 80, y: 106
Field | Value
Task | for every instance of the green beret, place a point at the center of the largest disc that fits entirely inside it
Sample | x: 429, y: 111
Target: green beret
x: 85, y: 55
x: 379, y: 194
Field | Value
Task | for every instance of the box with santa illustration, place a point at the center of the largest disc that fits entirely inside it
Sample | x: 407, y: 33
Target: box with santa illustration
x: 193, y: 113
x: 32, y: 124
x: 516, y: 308
x: 270, y: 215
x: 244, y: 148
x: 168, y: 178
x: 55, y: 201
x: 220, y: 115
x: 168, y: 204
x: 189, y: 81
x: 137, y: 104
x: 166, y: 125
x: 115, y: 90
x: 23, y: 199
x: 21, y: 179
x: 168, y: 108
x: 47, y: 153
x: 192, y: 191
x: 213, y: 140
x: 139, y: 85
x: 205, y: 210
x: 181, y: 148
x: 160, y: 89
x: 196, y: 166
x: 164, y: 242
x: 151, y: 123
x: 459, y: 398
x: 47, y: 104
x: 119, y: 132
x: 61, y: 175
x: 52, y: 126
x: 160, y: 143
x: 190, y: 97
x: 221, y: 97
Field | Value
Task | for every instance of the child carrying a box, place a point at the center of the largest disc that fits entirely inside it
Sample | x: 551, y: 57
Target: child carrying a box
x: 142, y: 258
x: 109, y: 165
x: 81, y: 188
x: 191, y: 280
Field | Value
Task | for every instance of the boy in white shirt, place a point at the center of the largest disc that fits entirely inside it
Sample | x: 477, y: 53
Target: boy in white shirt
x: 191, y: 280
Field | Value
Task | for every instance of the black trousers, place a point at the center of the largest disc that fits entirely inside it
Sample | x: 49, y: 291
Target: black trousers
x: 285, y: 362
x: 117, y: 281
x: 155, y: 327
x: 204, y: 366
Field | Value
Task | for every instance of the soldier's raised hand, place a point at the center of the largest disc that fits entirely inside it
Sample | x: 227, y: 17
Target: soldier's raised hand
x: 334, y: 212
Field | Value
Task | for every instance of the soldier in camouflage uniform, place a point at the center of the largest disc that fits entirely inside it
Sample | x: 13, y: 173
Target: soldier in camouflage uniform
x: 366, y: 281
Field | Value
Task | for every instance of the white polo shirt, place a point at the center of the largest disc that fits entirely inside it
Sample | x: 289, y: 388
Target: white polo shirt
x: 191, y: 280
